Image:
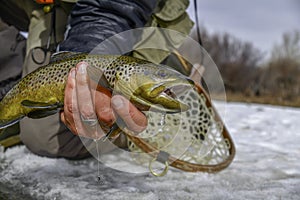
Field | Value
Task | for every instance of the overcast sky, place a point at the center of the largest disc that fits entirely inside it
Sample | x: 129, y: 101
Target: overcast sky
x: 259, y: 21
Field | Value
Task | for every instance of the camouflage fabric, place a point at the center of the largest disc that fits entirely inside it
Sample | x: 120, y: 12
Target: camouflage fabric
x: 171, y: 16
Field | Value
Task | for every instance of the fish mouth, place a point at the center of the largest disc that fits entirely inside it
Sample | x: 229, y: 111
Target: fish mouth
x: 165, y: 97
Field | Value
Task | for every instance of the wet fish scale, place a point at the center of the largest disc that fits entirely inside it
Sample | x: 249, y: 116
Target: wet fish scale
x: 46, y: 85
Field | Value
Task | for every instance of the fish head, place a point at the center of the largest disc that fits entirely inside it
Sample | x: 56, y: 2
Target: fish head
x: 155, y: 87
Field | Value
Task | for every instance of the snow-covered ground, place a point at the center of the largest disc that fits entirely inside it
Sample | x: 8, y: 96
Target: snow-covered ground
x: 266, y: 166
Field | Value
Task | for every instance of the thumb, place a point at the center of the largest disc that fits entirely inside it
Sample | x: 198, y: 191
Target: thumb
x: 133, y: 118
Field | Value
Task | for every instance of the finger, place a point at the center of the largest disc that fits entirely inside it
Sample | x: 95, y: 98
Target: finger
x: 133, y: 118
x: 70, y: 105
x: 71, y: 115
x: 86, y: 120
x: 84, y: 99
x: 102, y: 101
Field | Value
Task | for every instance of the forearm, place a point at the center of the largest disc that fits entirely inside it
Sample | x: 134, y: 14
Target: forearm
x: 92, y: 21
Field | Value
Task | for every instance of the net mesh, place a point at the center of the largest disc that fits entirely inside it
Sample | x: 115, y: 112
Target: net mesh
x: 194, y: 136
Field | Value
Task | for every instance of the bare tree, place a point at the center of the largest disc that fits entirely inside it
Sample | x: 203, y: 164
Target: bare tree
x: 282, y: 74
x: 236, y: 60
x: 289, y: 47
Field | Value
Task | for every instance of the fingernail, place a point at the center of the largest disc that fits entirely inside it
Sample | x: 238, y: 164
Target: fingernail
x: 82, y: 68
x: 117, y: 103
x: 73, y: 74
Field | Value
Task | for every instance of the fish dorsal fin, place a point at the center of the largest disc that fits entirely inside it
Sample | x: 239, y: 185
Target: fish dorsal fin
x: 40, y: 105
x: 97, y: 75
x: 62, y: 55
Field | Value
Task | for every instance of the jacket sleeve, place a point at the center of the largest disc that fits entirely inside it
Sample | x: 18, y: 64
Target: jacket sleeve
x: 92, y: 21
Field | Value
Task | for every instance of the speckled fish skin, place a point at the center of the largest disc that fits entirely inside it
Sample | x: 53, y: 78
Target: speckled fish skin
x: 46, y: 85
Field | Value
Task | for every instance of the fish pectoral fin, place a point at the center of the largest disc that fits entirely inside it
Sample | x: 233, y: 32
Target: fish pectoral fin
x: 97, y: 75
x: 36, y: 114
x: 8, y: 123
x: 40, y: 105
x: 41, y: 109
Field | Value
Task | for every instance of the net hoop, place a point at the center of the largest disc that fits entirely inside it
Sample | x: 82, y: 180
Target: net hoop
x: 181, y: 164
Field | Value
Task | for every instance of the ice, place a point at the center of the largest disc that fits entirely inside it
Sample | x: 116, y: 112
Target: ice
x: 266, y: 166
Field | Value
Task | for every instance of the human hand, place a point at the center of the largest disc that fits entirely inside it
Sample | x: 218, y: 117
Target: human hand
x: 86, y: 104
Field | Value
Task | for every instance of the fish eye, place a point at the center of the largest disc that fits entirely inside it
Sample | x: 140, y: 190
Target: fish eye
x: 162, y: 73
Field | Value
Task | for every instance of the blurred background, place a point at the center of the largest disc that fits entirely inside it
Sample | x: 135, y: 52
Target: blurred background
x: 256, y: 47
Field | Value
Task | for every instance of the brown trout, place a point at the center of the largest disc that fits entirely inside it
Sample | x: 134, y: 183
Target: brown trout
x: 145, y: 84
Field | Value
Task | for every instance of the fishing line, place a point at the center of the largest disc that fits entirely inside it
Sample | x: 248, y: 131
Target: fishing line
x: 199, y: 39
x: 98, y: 161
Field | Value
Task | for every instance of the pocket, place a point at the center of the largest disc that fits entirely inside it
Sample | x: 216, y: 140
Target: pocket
x: 171, y: 15
x: 172, y: 10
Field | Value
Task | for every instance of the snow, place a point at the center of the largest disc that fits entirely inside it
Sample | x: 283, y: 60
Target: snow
x: 266, y: 166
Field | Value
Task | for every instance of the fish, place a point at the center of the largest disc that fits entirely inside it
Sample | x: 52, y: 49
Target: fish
x: 147, y: 85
